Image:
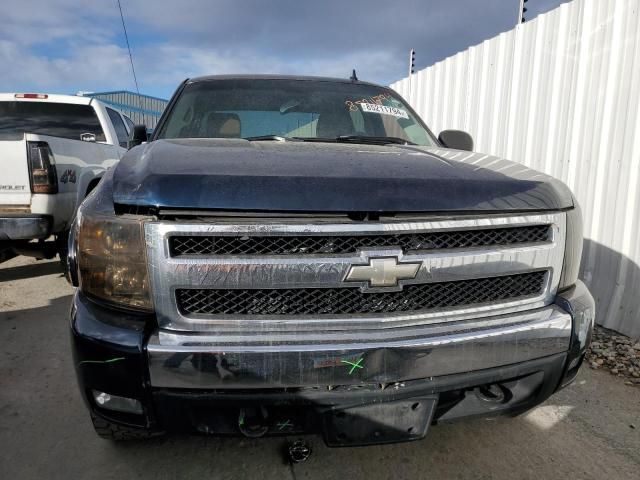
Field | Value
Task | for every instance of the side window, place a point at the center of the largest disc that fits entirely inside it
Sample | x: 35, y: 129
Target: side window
x: 128, y: 122
x: 118, y: 124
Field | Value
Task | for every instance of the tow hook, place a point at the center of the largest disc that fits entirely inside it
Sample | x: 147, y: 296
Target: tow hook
x: 298, y: 451
x: 494, y: 393
x: 252, y: 422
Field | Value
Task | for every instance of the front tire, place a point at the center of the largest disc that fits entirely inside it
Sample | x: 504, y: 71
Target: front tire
x: 62, y: 247
x: 6, y: 252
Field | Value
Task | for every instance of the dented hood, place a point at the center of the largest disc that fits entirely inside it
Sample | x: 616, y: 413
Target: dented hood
x: 327, y: 177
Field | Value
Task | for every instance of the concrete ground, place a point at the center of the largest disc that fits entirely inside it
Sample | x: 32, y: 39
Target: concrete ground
x: 589, y: 430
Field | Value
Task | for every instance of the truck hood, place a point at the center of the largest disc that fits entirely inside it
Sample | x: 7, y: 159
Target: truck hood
x: 235, y: 174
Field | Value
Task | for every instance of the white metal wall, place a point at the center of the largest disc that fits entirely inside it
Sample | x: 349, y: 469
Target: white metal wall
x: 561, y: 94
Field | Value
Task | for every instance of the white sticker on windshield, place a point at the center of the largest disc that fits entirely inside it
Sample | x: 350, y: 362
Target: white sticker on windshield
x: 384, y: 110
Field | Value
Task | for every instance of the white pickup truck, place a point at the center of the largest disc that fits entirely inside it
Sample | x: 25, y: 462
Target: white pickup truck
x: 53, y: 151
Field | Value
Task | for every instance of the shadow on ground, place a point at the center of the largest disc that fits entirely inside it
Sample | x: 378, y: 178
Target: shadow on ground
x: 32, y: 270
x: 614, y: 282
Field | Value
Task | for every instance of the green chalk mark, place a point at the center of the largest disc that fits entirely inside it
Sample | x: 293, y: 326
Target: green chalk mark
x: 282, y: 425
x: 111, y: 360
x: 353, y: 365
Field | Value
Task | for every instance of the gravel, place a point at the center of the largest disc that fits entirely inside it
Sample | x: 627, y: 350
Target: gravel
x: 615, y: 353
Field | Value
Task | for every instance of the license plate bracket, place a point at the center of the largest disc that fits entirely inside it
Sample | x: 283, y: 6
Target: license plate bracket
x: 376, y: 423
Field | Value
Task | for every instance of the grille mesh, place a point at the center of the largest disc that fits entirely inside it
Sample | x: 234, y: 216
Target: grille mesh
x: 308, y: 244
x: 345, y: 301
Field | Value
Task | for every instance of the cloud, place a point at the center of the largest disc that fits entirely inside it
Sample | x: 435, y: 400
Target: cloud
x: 40, y: 22
x: 94, y: 66
x: 61, y: 46
x: 184, y: 62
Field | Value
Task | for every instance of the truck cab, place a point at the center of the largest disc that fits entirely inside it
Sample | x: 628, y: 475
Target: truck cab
x: 53, y: 151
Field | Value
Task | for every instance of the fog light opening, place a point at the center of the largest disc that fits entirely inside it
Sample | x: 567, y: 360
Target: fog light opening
x: 253, y: 422
x: 116, y: 403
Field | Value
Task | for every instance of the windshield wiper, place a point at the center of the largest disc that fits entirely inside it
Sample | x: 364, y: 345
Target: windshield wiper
x: 366, y: 139
x: 277, y: 138
x: 373, y: 140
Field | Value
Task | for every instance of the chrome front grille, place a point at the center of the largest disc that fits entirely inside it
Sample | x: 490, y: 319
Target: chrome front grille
x: 350, y: 301
x: 323, y: 244
x: 214, y: 276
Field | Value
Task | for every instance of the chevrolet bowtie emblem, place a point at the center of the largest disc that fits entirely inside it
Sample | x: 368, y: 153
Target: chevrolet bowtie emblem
x: 383, y: 272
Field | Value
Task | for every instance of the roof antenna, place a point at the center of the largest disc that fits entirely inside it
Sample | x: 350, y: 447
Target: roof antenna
x: 354, y: 77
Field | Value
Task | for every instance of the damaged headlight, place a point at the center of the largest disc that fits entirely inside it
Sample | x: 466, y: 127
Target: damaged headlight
x: 110, y: 256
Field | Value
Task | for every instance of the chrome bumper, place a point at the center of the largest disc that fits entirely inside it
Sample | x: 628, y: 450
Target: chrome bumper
x: 209, y: 361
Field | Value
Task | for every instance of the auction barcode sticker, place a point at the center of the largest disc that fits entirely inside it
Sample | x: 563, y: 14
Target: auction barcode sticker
x: 384, y: 110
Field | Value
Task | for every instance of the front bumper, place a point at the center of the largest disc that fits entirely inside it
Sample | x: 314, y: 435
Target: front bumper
x: 24, y: 226
x: 215, y: 361
x: 190, y: 383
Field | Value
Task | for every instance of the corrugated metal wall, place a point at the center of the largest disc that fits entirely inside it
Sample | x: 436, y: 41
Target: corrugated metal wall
x: 561, y: 94
x: 141, y: 109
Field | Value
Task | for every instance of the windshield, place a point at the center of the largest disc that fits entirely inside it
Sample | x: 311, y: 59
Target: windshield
x: 307, y: 109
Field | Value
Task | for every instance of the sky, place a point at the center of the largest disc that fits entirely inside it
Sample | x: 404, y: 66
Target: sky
x: 65, y: 46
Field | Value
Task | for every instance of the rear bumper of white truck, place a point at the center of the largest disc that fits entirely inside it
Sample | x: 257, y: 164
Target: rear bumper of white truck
x: 24, y: 226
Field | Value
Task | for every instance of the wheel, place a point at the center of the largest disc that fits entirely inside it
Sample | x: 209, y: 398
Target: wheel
x: 6, y: 252
x: 112, y: 431
x: 62, y: 247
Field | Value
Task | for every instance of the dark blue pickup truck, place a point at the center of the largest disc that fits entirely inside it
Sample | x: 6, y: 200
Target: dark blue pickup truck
x: 292, y: 255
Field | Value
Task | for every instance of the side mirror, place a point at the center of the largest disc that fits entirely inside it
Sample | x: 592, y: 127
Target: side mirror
x: 138, y: 135
x: 456, y: 139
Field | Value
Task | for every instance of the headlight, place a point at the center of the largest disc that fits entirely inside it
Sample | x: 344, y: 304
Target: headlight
x: 111, y: 258
x: 572, y: 248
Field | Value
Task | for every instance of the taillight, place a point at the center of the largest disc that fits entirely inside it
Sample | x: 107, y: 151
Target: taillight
x: 41, y: 166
